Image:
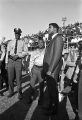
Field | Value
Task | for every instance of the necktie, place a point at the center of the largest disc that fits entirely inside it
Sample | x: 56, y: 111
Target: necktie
x: 15, y: 50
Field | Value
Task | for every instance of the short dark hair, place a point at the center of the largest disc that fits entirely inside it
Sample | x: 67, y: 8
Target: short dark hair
x: 25, y: 36
x: 55, y: 25
x: 42, y: 42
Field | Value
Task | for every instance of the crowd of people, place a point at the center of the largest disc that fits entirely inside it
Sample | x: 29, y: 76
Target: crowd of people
x: 56, y: 62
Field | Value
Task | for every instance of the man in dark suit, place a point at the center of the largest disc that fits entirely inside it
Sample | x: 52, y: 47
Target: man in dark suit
x: 52, y: 65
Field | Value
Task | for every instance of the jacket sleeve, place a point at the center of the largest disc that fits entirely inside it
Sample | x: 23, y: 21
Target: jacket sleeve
x: 57, y: 47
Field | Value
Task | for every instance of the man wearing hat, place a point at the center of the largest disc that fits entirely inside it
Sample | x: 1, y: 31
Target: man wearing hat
x: 15, y: 52
x: 51, y: 66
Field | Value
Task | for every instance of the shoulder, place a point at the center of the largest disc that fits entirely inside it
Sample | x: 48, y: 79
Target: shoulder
x: 10, y: 42
x: 3, y: 46
x: 58, y: 39
x: 21, y: 42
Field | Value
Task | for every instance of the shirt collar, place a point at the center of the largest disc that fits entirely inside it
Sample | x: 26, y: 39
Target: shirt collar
x: 54, y: 35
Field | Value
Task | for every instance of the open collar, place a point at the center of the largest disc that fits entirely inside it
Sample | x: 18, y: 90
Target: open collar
x: 54, y: 35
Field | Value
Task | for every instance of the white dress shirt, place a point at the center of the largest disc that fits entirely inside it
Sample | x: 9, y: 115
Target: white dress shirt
x: 37, y: 57
x: 54, y: 35
x: 21, y: 49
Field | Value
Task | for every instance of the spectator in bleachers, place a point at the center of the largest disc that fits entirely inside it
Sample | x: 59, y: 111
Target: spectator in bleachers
x: 77, y: 30
x: 81, y: 28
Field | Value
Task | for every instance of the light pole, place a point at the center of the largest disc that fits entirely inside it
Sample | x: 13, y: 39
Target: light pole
x: 64, y: 20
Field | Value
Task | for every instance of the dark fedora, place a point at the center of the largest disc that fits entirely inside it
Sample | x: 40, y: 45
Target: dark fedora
x: 17, y: 31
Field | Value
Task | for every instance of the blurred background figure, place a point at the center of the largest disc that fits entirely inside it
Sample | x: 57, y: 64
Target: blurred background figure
x: 3, y: 71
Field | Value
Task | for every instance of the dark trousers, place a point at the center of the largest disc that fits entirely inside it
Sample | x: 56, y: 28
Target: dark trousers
x: 53, y: 92
x: 80, y: 96
x: 14, y: 69
x: 3, y: 75
x: 1, y: 82
x: 74, y: 95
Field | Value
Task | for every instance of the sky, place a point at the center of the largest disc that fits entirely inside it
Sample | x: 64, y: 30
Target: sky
x: 34, y: 15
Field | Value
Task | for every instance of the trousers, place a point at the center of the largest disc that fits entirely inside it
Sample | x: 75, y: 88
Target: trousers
x: 14, y: 71
x: 36, y: 75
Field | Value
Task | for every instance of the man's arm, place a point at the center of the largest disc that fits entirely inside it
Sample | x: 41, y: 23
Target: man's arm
x: 3, y: 53
x: 57, y: 53
x: 7, y: 53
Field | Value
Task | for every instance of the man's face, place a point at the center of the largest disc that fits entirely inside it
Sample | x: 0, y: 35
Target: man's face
x: 40, y: 43
x: 65, y: 56
x: 51, y: 30
x: 26, y: 40
x: 17, y: 36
